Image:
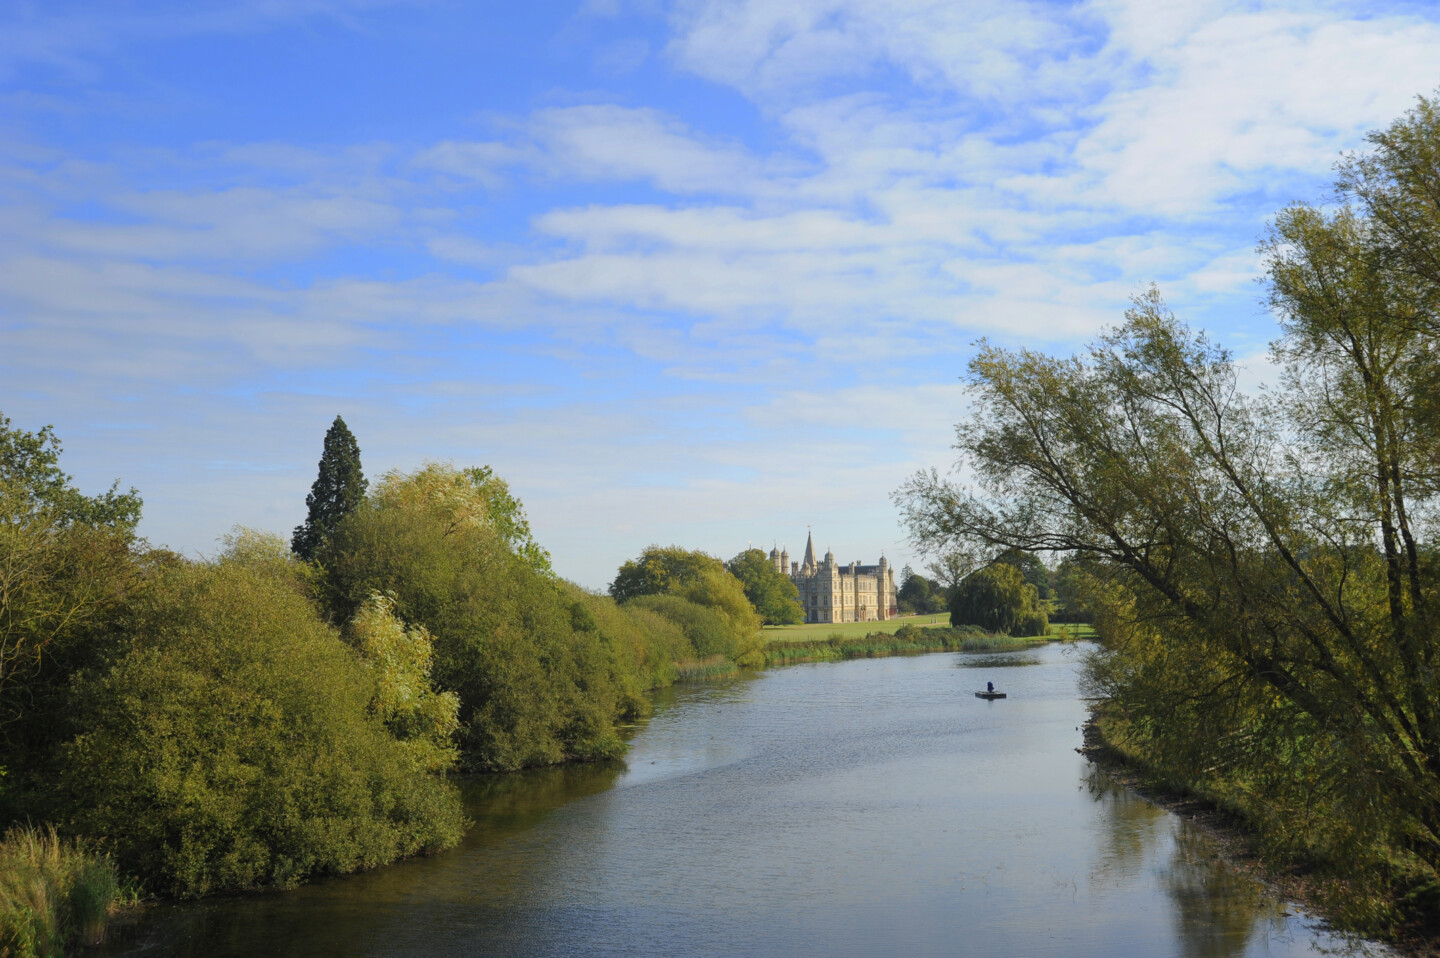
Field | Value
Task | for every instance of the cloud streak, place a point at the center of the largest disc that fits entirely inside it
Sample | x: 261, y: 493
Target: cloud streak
x: 721, y: 283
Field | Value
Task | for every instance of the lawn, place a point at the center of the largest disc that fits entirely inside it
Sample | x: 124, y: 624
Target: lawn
x: 1072, y: 631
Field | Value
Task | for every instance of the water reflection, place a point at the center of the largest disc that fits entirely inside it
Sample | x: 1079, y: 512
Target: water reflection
x: 1215, y: 911
x: 857, y: 809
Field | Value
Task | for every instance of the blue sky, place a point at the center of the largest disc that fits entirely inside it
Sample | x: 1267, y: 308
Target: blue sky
x: 687, y: 272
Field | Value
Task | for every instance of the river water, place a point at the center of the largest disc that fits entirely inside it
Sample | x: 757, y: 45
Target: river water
x: 864, y: 808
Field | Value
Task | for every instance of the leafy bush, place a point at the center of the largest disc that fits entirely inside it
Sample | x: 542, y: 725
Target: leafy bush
x: 233, y: 746
x: 533, y: 689
x: 646, y: 644
x: 703, y: 580
x: 398, y: 660
x: 66, y: 564
x: 706, y: 628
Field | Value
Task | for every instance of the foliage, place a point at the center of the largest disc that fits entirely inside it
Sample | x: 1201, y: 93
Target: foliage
x: 66, y: 562
x: 36, y: 486
x: 466, y: 498
x: 1263, y: 573
x: 949, y: 568
x: 233, y: 745
x: 647, y: 645
x: 53, y: 893
x: 659, y: 571
x: 399, y: 660
x: 706, y: 629
x: 918, y: 595
x: 722, y: 592
x: 772, y: 593
x: 1068, y: 591
x: 338, y: 489
x: 708, y: 669
x: 533, y: 689
x: 998, y: 599
x: 702, y: 579
x: 1032, y: 569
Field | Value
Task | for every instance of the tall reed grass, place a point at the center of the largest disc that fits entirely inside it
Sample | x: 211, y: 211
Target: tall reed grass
x: 53, y: 893
x: 705, y: 670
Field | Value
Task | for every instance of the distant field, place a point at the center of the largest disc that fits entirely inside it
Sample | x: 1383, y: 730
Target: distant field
x: 775, y: 634
x: 1072, y: 630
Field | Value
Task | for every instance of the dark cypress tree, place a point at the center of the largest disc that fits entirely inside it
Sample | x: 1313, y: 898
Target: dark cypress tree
x: 337, y: 491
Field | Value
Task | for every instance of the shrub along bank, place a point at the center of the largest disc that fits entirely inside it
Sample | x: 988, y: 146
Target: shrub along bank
x: 256, y: 719
x: 907, y: 640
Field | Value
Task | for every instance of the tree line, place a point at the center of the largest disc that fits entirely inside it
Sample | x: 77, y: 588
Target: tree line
x: 291, y: 709
x: 1015, y: 593
x: 1263, y: 569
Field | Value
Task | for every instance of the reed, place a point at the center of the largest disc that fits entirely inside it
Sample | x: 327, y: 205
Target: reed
x: 53, y: 893
x: 705, y: 670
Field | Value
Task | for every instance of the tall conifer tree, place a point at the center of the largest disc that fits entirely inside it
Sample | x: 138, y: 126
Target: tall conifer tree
x: 338, y: 489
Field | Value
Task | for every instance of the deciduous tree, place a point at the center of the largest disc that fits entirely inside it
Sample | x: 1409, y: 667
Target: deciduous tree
x: 998, y: 599
x: 770, y: 591
x: 65, y: 559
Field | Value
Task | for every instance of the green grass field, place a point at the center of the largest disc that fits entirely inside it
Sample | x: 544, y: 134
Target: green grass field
x: 1072, y: 631
x: 777, y: 634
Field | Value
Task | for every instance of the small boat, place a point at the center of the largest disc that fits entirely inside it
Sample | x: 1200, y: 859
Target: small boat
x: 990, y: 695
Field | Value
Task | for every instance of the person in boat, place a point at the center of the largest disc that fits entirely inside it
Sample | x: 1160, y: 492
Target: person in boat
x: 990, y: 687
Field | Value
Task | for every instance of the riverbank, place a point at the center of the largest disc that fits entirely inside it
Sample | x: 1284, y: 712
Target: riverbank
x: 907, y: 640
x: 1239, y: 845
x: 879, y: 840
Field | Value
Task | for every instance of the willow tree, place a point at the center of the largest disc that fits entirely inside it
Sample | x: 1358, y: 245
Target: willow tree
x: 1264, y: 566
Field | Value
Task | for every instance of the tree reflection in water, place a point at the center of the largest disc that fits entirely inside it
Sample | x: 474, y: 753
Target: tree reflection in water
x: 1217, y: 912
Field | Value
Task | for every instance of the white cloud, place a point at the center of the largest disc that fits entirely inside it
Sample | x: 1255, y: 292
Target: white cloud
x: 769, y: 335
x: 1247, y: 93
x: 608, y: 142
x: 778, y: 51
x: 229, y: 225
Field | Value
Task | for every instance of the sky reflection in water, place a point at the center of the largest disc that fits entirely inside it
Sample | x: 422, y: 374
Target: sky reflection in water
x: 866, y: 808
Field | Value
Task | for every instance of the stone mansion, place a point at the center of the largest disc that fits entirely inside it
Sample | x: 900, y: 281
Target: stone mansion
x: 840, y: 593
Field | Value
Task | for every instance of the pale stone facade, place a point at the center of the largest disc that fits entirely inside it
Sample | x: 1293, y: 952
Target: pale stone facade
x: 840, y: 593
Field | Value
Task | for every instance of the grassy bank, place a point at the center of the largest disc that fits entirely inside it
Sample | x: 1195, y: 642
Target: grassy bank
x: 53, y: 894
x: 907, y: 640
x: 776, y: 634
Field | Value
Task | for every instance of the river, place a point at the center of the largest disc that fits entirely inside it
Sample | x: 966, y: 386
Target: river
x: 864, y: 808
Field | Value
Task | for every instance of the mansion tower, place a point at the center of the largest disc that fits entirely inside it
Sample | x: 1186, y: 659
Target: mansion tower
x: 840, y: 593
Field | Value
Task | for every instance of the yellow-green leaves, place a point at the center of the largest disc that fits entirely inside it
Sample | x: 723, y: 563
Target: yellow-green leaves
x: 398, y: 659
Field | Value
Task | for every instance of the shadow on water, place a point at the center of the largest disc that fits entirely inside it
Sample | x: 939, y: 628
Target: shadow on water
x: 368, y: 906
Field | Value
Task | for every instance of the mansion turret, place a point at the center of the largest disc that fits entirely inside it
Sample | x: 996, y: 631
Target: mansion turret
x: 840, y: 593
